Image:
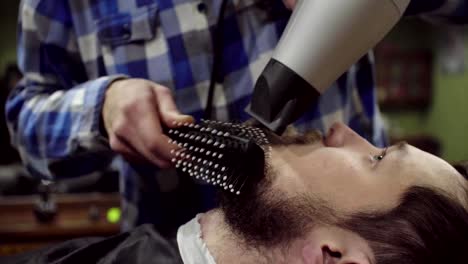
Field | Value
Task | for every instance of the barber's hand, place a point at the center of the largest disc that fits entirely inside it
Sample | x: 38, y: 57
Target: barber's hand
x: 134, y: 113
x: 290, y: 4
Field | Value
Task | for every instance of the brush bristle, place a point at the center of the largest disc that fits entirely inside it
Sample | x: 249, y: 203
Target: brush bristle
x: 219, y: 153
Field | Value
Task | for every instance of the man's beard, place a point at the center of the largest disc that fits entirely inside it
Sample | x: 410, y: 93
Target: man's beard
x: 266, y: 217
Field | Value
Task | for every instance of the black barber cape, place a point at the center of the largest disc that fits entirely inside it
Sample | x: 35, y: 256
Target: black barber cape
x: 142, y: 245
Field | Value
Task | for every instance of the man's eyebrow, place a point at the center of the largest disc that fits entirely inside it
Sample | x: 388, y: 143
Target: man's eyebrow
x: 399, y: 148
x: 402, y: 145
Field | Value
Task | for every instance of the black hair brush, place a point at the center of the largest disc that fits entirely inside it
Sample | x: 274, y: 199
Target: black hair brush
x: 228, y: 155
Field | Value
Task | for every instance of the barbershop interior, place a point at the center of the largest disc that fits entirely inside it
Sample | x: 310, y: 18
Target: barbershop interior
x: 419, y: 79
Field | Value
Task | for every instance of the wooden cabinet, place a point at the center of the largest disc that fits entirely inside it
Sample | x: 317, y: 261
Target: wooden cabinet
x: 404, y: 78
x: 78, y: 215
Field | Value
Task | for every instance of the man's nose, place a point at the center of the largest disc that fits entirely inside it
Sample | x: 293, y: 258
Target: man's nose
x: 339, y: 135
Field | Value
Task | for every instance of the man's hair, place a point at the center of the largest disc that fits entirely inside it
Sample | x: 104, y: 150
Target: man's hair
x: 428, y: 226
x: 462, y: 168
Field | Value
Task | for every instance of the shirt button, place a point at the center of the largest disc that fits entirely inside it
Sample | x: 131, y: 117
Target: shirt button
x: 201, y: 7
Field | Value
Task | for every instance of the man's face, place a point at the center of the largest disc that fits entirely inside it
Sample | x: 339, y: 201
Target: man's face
x: 346, y: 172
x: 324, y: 180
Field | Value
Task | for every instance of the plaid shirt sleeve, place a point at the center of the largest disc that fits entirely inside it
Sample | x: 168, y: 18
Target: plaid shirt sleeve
x: 448, y: 11
x: 54, y: 112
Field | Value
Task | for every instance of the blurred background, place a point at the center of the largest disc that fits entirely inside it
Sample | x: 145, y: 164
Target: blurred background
x: 36, y: 213
x: 422, y: 81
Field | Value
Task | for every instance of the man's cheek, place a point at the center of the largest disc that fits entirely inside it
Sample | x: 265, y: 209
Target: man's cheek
x: 290, y: 4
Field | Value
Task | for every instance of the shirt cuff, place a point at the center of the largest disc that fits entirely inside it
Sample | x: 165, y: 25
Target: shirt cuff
x: 94, y: 102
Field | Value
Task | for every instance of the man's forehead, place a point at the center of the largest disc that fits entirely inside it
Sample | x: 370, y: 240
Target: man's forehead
x: 461, y: 190
x: 440, y: 175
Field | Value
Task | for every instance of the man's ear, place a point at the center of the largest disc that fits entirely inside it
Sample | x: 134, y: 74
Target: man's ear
x: 332, y: 245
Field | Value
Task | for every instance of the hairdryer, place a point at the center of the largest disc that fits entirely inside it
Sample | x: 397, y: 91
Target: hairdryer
x: 322, y: 40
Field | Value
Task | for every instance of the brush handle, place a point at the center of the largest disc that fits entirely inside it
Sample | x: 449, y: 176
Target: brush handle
x: 226, y: 155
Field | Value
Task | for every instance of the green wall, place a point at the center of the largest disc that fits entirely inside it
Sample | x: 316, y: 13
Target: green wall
x: 447, y: 117
x: 8, y: 21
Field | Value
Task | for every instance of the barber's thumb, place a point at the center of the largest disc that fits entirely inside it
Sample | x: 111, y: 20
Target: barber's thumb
x: 172, y: 118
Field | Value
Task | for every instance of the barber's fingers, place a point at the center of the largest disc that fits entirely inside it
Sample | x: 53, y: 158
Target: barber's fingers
x: 135, y: 112
x: 290, y: 4
x: 140, y: 127
x: 155, y: 144
x: 120, y: 146
x: 129, y: 142
x: 167, y: 108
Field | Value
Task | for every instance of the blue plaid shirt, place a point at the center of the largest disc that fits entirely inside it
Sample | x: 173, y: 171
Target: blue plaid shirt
x: 69, y: 51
